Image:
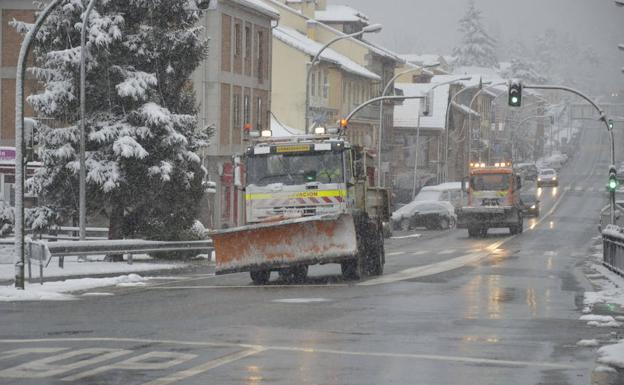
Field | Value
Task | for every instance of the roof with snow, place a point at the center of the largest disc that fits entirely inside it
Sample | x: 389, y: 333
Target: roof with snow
x: 261, y: 7
x: 281, y: 130
x: 423, y: 60
x: 301, y: 42
x: 340, y: 13
x: 406, y: 115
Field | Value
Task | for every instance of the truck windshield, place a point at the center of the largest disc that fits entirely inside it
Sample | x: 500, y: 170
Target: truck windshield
x: 295, y: 169
x: 490, y: 182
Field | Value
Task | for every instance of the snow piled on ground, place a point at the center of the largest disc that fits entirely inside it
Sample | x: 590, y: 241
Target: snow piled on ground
x: 588, y: 343
x: 57, y: 291
x: 612, y: 355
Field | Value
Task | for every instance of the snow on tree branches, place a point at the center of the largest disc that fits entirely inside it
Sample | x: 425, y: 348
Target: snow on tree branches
x: 142, y: 131
x: 477, y: 48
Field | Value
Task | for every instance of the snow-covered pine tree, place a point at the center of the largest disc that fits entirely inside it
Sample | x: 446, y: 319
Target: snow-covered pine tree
x: 524, y: 70
x: 476, y: 48
x: 142, y: 134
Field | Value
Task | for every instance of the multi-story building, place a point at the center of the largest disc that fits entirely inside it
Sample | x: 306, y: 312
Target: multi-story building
x: 345, y: 92
x: 233, y: 87
x: 11, y: 42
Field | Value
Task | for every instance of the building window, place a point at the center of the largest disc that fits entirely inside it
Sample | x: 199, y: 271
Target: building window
x: 318, y: 84
x: 236, y: 112
x: 247, y: 42
x: 246, y: 110
x: 313, y: 84
x: 325, y: 85
x: 237, y: 39
x: 260, y: 53
x: 260, y: 112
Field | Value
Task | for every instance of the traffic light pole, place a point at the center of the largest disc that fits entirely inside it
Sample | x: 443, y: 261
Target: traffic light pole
x: 603, y: 118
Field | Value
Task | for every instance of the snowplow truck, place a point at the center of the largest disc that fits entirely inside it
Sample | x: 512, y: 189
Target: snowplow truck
x: 308, y: 200
x: 493, y: 193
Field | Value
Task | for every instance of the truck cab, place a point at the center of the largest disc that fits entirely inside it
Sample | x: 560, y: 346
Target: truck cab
x: 493, y: 200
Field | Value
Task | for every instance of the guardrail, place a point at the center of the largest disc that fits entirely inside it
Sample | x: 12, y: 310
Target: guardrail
x: 41, y: 253
x: 613, y: 248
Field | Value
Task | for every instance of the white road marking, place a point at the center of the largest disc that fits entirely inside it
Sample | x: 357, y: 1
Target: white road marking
x: 579, y: 188
x: 178, y: 376
x: 567, y: 188
x: 49, y: 366
x: 421, y: 252
x: 408, y: 236
x: 301, y: 300
x: 395, y: 253
x: 141, y: 362
x: 255, y: 349
x: 241, y: 287
x: 591, y: 189
x: 25, y: 351
x: 446, y: 252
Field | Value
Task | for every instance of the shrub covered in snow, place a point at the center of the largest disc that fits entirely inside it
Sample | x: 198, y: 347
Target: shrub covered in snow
x: 142, y: 132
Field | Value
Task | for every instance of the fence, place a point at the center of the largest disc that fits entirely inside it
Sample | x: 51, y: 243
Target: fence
x: 41, y: 253
x: 613, y: 248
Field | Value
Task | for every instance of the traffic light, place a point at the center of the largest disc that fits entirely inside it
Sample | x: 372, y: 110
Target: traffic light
x: 613, y: 182
x: 515, y: 93
x: 343, y: 124
x: 610, y: 122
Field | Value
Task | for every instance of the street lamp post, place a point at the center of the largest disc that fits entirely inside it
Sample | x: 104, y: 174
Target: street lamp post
x: 446, y: 121
x: 83, y: 163
x: 381, y: 127
x: 19, y: 142
x: 373, y: 28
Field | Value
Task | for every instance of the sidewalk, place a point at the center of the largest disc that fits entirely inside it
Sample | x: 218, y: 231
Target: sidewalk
x: 604, y: 308
x: 82, y: 274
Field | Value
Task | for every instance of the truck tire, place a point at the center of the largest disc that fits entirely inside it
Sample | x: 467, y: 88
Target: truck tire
x: 352, y: 269
x: 260, y: 277
x: 483, y: 232
x: 444, y: 223
x: 474, y: 232
x: 404, y: 224
x: 376, y: 257
x: 299, y: 273
x: 517, y: 228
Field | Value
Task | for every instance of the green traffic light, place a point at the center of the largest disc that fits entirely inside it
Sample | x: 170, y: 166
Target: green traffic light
x: 514, y: 99
x: 612, y: 184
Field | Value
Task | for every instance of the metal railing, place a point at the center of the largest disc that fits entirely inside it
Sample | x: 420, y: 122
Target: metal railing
x: 41, y: 253
x: 613, y: 248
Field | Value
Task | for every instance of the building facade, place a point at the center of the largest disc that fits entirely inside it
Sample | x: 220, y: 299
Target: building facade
x: 233, y: 87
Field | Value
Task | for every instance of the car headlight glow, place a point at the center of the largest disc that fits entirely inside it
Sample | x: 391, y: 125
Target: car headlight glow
x: 533, y: 207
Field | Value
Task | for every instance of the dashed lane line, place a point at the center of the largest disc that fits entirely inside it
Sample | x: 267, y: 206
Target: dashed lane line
x: 395, y: 253
x: 255, y: 349
x: 446, y: 252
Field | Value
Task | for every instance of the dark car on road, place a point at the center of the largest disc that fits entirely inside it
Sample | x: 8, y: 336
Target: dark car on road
x: 530, y: 204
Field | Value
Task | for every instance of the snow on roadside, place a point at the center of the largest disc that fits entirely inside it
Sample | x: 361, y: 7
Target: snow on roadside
x: 588, y: 343
x: 58, y: 291
x: 612, y: 355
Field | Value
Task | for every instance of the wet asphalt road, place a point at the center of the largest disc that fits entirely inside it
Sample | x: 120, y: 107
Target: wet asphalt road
x: 448, y: 310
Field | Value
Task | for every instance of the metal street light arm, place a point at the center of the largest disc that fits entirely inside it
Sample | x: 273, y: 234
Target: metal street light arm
x: 370, y: 29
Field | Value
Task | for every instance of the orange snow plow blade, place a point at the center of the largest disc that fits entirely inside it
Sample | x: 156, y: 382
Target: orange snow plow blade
x: 307, y: 240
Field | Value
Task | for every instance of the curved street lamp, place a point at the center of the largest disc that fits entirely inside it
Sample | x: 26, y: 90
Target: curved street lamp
x: 383, y: 93
x: 373, y: 28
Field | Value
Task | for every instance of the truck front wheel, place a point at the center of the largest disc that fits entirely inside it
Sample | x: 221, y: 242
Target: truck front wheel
x: 352, y: 269
x: 260, y: 277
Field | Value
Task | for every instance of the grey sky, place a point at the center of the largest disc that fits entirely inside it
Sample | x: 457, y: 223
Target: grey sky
x: 431, y: 26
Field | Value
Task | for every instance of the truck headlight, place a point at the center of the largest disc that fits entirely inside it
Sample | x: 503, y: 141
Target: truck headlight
x: 533, y: 207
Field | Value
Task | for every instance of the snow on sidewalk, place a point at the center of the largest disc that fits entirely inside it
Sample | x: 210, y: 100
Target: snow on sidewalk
x: 89, y: 266
x: 58, y: 291
x: 612, y: 355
